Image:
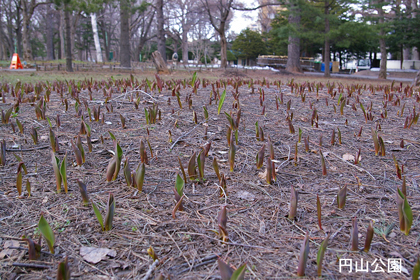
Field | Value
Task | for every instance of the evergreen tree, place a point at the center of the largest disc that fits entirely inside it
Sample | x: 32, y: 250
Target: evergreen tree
x: 249, y: 44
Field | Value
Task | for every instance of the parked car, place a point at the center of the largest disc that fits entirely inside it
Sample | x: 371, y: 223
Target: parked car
x: 363, y: 64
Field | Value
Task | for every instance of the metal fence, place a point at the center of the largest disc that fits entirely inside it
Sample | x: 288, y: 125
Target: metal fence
x: 281, y: 61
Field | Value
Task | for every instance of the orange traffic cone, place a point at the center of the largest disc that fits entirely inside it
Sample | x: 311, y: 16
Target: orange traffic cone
x: 16, y: 62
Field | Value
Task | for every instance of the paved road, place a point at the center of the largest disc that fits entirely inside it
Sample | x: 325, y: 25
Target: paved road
x: 347, y: 76
x: 18, y: 70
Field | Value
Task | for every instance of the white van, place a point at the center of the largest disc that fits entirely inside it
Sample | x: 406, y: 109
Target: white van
x: 363, y: 64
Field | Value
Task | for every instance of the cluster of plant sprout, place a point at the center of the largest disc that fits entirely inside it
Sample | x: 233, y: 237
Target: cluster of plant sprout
x: 348, y: 97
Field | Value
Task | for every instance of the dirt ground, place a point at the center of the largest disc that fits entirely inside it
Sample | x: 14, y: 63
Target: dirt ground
x: 259, y: 231
x: 390, y: 75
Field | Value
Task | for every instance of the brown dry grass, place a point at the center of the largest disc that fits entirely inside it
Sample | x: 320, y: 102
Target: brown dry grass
x: 260, y: 234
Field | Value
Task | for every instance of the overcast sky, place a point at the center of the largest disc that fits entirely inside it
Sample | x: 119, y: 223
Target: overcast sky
x: 241, y: 20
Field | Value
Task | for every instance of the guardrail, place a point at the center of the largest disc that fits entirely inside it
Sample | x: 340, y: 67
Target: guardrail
x: 282, y: 61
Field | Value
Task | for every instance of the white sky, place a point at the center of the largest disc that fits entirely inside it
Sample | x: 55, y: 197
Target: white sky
x: 241, y: 20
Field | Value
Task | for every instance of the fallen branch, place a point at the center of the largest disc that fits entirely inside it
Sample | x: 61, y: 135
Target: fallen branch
x: 145, y: 93
x: 198, y: 265
x: 151, y: 268
x: 32, y: 265
x: 183, y: 135
x: 357, y: 167
x: 28, y: 150
x: 26, y: 249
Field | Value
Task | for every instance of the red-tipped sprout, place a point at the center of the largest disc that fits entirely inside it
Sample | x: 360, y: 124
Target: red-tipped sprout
x: 318, y: 210
x: 293, y: 203
x: 354, y: 235
x: 303, y: 257
x: 260, y: 157
x: 369, y: 237
x: 341, y: 197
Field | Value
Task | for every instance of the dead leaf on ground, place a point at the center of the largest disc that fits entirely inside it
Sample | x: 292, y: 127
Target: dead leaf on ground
x: 245, y: 195
x: 9, y: 252
x: 263, y: 175
x: 348, y: 157
x: 95, y: 255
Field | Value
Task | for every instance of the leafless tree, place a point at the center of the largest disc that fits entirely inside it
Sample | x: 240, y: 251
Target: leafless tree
x: 183, y: 16
x: 5, y: 42
x: 219, y: 13
x: 201, y: 34
x: 161, y: 28
x: 109, y: 23
x: 125, y: 58
x: 140, y: 29
x: 28, y: 9
x: 49, y: 18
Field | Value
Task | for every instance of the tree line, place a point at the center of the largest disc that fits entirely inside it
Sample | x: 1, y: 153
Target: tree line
x: 130, y: 30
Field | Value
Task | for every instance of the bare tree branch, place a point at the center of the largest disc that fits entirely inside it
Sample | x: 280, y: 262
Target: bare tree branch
x: 256, y: 8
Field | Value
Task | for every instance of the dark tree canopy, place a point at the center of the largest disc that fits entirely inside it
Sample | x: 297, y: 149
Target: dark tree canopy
x: 249, y: 44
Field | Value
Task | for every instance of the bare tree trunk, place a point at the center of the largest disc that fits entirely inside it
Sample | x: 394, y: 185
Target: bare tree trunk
x: 414, y: 51
x: 105, y: 38
x: 218, y: 21
x: 28, y: 8
x: 49, y: 34
x: 75, y: 20
x: 160, y: 64
x: 69, y: 66
x: 96, y: 38
x: 160, y: 30
x: 402, y: 56
x: 125, y: 59
x: 2, y: 48
x: 223, y: 51
x: 18, y: 32
x: 293, y: 48
x: 184, y: 47
x: 27, y: 52
x: 80, y: 51
x: 327, y: 40
x: 138, y: 49
x: 144, y: 36
x: 11, y: 37
x: 382, y: 44
x: 2, y: 39
x: 61, y: 31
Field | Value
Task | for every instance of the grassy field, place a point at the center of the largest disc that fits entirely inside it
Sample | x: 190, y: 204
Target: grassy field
x: 33, y: 77
x: 211, y: 74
